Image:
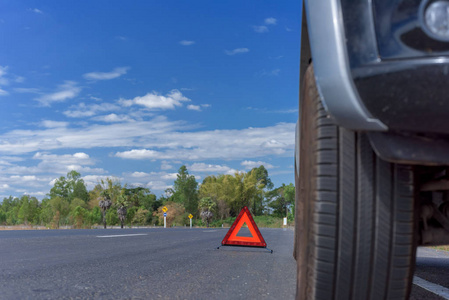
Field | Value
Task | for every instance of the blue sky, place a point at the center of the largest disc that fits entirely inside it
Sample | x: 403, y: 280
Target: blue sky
x: 135, y: 89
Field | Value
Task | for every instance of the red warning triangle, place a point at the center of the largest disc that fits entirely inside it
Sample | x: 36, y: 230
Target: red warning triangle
x: 231, y: 238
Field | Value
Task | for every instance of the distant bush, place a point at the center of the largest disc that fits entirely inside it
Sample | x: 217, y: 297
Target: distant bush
x: 261, y: 221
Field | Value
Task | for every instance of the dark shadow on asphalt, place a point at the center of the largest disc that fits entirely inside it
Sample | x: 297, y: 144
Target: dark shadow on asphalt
x: 242, y: 249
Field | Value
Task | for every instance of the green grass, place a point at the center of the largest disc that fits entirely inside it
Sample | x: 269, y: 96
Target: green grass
x: 444, y: 248
x: 261, y: 221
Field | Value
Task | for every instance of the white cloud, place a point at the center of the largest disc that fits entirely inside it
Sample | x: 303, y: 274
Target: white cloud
x: 19, y: 79
x: 17, y: 182
x: 117, y: 72
x: 65, y: 91
x: 113, y: 118
x: 154, y: 101
x: 53, y: 124
x: 81, y: 155
x: 170, y: 176
x: 82, y: 110
x: 218, y: 144
x: 166, y: 166
x: 3, y: 70
x: 274, y: 72
x: 24, y: 178
x: 27, y: 90
x: 36, y: 10
x: 194, y: 107
x: 62, y: 164
x: 92, y: 180
x: 156, y: 139
x: 287, y: 111
x: 197, y: 107
x: 39, y: 177
x: 279, y: 111
x: 209, y: 168
x: 139, y: 154
x: 248, y: 164
x: 270, y: 21
x: 186, y: 43
x: 158, y: 185
x: 237, y: 51
x: 260, y: 29
x: 95, y: 135
x: 3, y: 80
x: 155, y: 181
x: 139, y: 174
x: 94, y: 98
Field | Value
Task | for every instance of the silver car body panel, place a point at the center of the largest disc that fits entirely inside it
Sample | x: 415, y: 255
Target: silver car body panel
x: 331, y: 66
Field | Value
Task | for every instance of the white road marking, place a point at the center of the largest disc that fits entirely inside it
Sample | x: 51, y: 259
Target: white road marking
x: 432, y: 287
x: 120, y: 235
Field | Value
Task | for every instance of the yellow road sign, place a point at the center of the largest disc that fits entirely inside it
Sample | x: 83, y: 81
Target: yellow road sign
x: 164, y: 209
x: 190, y: 216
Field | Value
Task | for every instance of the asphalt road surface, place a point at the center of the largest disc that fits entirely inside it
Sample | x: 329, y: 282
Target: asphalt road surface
x: 432, y: 266
x: 144, y: 264
x: 166, y: 264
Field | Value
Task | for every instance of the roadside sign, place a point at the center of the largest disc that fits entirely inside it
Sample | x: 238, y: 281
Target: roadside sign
x: 190, y: 216
x: 164, y: 209
x: 165, y: 214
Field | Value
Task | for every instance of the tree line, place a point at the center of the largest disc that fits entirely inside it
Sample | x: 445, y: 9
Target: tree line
x: 217, y: 198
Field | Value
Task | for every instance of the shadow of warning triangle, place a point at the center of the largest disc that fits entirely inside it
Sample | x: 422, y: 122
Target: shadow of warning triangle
x: 252, y: 239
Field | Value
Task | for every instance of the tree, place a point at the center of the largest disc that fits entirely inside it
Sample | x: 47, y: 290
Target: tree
x: 25, y: 210
x: 46, y: 213
x: 281, y: 199
x: 111, y: 189
x: 60, y: 208
x: 112, y: 217
x: 206, y: 205
x: 70, y: 188
x: 122, y: 204
x: 141, y: 216
x: 60, y: 188
x: 94, y: 194
x: 95, y: 216
x: 186, y: 190
x: 214, y: 188
x: 104, y: 204
x: 77, y: 202
x: 79, y: 214
x: 262, y: 176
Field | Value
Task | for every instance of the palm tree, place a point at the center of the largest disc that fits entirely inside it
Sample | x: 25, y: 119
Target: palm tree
x: 206, y: 205
x: 104, y: 204
x: 122, y: 207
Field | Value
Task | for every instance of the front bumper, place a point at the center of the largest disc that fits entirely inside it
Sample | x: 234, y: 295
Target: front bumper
x: 374, y: 81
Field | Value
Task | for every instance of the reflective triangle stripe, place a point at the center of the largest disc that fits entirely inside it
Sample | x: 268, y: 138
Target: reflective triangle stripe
x: 231, y: 238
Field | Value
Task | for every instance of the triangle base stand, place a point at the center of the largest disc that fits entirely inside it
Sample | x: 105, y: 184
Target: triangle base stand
x: 256, y: 239
x: 269, y: 250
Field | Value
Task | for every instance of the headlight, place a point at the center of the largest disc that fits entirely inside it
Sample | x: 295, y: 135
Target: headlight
x: 434, y: 17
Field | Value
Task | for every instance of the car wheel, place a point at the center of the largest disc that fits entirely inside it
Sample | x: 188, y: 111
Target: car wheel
x: 354, y: 214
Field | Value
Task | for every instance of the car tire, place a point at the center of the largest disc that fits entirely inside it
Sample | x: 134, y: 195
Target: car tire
x: 354, y: 212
